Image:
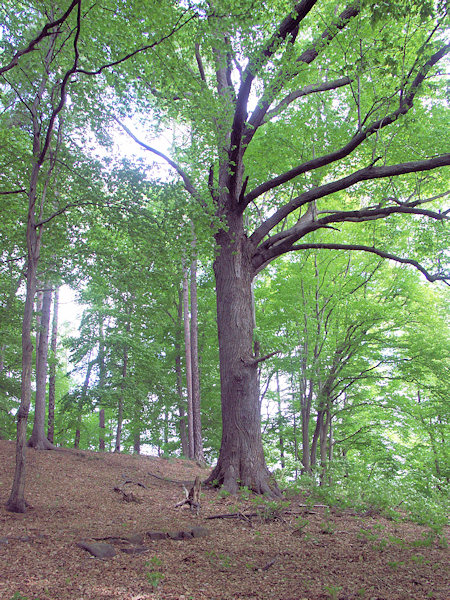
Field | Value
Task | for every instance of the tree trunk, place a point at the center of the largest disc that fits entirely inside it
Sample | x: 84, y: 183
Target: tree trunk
x: 52, y: 371
x: 16, y: 501
x: 187, y: 347
x: 196, y: 405
x: 280, y: 422
x: 179, y: 380
x: 101, y: 382
x: 137, y: 443
x: 38, y: 438
x: 241, y: 460
x: 101, y: 424
x: 76, y: 442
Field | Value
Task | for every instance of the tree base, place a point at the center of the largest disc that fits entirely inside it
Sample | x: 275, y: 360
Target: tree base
x: 261, y: 481
x: 40, y: 444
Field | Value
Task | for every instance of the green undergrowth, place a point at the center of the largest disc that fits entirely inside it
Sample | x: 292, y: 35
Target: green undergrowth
x: 396, y: 499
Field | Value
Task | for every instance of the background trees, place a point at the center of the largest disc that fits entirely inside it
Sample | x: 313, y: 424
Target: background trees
x: 320, y: 134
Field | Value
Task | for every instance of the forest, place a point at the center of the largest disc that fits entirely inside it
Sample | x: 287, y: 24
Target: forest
x: 242, y: 205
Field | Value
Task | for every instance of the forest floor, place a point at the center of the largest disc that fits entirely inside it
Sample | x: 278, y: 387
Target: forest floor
x: 300, y: 553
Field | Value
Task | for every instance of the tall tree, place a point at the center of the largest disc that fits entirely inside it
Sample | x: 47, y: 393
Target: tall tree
x: 292, y: 116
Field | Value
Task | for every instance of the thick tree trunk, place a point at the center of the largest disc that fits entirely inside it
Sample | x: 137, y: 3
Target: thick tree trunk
x: 241, y: 460
x: 52, y: 371
x: 38, y: 438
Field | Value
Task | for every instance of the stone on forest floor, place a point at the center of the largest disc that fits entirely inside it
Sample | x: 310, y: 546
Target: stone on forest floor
x: 104, y: 550
x: 98, y: 549
x: 157, y: 535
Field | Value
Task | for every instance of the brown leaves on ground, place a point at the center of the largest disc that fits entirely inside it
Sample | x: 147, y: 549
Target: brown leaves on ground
x: 303, y: 555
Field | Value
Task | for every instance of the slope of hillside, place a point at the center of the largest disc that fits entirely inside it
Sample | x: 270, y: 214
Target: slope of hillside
x: 290, y: 554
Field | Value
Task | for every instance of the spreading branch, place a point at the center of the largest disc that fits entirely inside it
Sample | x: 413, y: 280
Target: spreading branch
x: 406, y: 103
x: 358, y: 247
x: 260, y: 115
x: 184, y: 176
x: 46, y: 31
x: 176, y: 28
x: 287, y: 27
x: 368, y: 173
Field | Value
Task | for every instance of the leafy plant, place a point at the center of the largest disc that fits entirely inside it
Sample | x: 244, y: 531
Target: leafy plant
x: 333, y: 591
x: 155, y: 578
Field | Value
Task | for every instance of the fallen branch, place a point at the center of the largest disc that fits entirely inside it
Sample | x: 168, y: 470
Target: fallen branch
x: 192, y: 496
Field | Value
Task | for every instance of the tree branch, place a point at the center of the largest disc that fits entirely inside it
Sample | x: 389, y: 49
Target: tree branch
x: 358, y: 247
x: 309, y: 89
x: 307, y: 57
x: 406, y: 103
x: 138, y: 50
x: 45, y: 32
x: 285, y: 28
x: 365, y: 174
x: 21, y: 191
x: 186, y: 180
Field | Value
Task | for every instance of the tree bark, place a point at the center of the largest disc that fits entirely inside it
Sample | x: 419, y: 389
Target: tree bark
x: 196, y: 404
x: 280, y: 421
x: 101, y: 424
x: 101, y: 382
x: 179, y: 380
x: 16, y: 501
x: 52, y: 371
x: 241, y: 460
x: 187, y: 347
x: 121, y: 396
x: 38, y: 438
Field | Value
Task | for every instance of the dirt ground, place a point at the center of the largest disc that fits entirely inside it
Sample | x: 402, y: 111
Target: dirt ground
x: 303, y: 553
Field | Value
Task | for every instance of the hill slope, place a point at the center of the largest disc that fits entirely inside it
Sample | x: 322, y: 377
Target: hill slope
x: 309, y: 554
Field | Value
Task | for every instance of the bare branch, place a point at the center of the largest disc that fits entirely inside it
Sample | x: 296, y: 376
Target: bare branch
x: 186, y: 180
x: 45, y: 32
x: 256, y: 361
x: 309, y: 89
x: 21, y: 191
x: 408, y: 261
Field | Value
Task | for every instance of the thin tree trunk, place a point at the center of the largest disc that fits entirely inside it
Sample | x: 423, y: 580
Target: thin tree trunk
x: 52, y: 371
x: 16, y: 501
x: 122, y: 395
x: 187, y: 346
x: 101, y: 424
x: 76, y: 442
x: 179, y: 380
x: 38, y: 438
x: 280, y: 422
x: 101, y: 382
x: 196, y: 404
x: 137, y: 443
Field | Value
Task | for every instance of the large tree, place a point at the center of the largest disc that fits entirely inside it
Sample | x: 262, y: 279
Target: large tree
x: 332, y: 116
